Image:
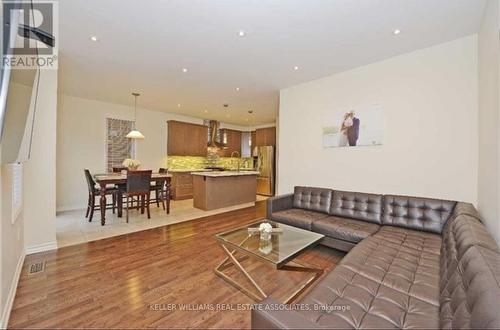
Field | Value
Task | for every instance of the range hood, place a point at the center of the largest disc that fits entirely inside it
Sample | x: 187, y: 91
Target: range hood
x: 217, y: 138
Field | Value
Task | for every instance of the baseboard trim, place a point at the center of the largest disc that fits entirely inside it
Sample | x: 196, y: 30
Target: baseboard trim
x: 41, y: 248
x: 4, y: 322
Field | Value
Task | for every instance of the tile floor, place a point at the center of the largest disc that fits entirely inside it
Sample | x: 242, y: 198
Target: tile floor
x: 73, y: 228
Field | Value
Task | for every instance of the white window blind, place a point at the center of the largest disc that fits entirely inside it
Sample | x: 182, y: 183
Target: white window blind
x: 17, y: 190
x: 118, y: 146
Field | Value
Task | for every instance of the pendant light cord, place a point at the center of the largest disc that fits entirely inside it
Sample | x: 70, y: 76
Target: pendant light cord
x: 135, y: 105
x: 135, y: 108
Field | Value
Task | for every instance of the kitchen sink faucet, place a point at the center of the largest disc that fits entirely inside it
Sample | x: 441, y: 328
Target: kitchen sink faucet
x: 238, y: 159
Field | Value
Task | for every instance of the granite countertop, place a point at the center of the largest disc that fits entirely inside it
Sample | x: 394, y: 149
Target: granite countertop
x: 216, y: 174
x: 185, y: 170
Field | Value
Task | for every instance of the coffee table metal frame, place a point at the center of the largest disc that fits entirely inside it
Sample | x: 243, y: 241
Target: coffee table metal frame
x: 287, y: 264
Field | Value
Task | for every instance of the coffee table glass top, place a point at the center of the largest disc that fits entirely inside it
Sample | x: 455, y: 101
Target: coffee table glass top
x: 281, y: 248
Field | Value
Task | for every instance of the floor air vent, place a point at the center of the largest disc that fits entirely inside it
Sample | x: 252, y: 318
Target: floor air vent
x: 37, y: 267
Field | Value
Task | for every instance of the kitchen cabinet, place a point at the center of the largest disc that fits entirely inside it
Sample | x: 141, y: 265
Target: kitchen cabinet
x: 182, y: 185
x: 265, y: 136
x: 186, y: 139
x: 233, y: 142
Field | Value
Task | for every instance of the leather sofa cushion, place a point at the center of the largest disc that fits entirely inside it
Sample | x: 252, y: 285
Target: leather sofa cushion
x: 462, y: 208
x: 411, y: 239
x: 465, y: 231
x: 314, y: 199
x: 384, y: 283
x: 470, y: 275
x: 367, y: 207
x: 416, y: 213
x: 345, y: 229
x: 469, y: 299
x: 297, y: 217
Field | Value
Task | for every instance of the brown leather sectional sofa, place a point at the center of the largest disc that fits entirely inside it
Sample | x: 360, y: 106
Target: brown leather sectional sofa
x: 412, y: 263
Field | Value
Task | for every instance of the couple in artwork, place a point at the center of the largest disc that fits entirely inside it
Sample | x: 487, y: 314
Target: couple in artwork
x: 349, y: 130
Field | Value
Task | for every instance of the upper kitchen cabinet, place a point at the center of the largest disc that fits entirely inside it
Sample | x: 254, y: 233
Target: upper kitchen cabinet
x: 186, y: 139
x: 265, y: 137
x: 232, y: 140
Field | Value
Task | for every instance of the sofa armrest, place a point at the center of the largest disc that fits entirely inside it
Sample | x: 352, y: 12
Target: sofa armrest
x: 269, y: 314
x: 279, y: 203
x: 462, y: 208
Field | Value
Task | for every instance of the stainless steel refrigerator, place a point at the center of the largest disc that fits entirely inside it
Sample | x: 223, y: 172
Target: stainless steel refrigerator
x: 266, y: 168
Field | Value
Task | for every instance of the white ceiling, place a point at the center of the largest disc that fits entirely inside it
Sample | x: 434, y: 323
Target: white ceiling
x: 145, y: 44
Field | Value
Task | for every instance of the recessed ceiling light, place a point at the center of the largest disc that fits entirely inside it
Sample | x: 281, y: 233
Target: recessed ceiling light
x: 241, y: 33
x: 205, y: 111
x: 94, y: 38
x: 237, y: 89
x: 178, y: 105
x: 184, y: 70
x: 396, y: 32
x: 295, y: 68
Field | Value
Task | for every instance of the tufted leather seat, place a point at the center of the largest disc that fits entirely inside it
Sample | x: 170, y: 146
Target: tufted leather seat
x: 386, y: 285
x: 345, y: 229
x: 298, y: 217
x: 470, y: 276
x: 429, y: 264
x: 411, y: 239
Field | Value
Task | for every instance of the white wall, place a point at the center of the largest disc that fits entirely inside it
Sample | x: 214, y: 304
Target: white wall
x: 40, y: 170
x: 489, y: 118
x: 12, y: 245
x: 81, y: 142
x: 430, y: 149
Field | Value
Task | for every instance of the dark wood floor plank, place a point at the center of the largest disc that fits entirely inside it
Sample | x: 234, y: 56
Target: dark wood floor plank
x: 129, y: 281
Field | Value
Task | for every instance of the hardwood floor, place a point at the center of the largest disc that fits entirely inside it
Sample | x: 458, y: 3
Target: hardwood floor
x: 144, y: 279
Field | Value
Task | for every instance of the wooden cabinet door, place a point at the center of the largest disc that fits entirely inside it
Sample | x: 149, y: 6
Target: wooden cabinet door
x: 186, y: 139
x: 254, y: 142
x: 197, y: 140
x: 176, y: 138
x: 182, y: 186
x: 271, y: 136
x: 260, y: 137
x: 265, y: 137
x: 235, y: 141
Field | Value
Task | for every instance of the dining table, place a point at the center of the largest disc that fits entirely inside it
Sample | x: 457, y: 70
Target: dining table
x: 105, y: 180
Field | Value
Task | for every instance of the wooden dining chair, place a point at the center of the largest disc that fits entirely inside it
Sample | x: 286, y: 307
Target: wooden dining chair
x: 138, y: 185
x: 159, y: 187
x: 95, y: 191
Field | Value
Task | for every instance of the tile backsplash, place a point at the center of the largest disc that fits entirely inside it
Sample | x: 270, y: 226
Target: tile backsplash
x: 192, y: 162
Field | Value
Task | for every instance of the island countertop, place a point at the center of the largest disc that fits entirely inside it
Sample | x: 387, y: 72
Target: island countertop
x: 216, y: 174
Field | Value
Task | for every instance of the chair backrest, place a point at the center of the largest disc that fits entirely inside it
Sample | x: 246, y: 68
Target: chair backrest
x: 138, y: 182
x: 118, y: 169
x: 90, y: 180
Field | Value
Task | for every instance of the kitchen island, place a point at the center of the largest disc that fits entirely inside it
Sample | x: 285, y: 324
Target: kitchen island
x: 218, y: 189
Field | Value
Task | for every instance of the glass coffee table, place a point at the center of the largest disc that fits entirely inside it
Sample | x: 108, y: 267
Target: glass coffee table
x: 278, y: 251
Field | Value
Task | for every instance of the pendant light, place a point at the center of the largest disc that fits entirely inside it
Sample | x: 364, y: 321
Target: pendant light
x: 134, y: 134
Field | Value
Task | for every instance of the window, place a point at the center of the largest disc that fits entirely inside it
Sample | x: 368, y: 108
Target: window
x: 17, y: 190
x: 118, y: 146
